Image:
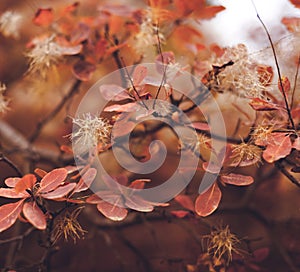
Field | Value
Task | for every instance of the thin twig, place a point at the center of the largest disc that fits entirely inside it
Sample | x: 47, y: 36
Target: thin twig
x: 11, y: 164
x: 58, y: 108
x: 278, y: 69
x: 283, y: 170
x: 295, y: 83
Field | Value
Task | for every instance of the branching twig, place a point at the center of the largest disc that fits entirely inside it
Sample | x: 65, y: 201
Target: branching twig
x: 74, y: 89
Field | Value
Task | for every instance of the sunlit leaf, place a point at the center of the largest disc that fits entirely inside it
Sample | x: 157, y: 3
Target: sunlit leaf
x: 9, y: 214
x: 34, y: 215
x: 52, y: 180
x: 206, y: 203
x: 285, y: 84
x: 43, y: 17
x: 40, y: 172
x: 236, y: 179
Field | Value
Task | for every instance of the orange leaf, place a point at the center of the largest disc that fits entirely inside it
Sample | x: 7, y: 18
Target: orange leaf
x: 41, y: 173
x: 52, y: 180
x: 279, y: 146
x: 235, y: 179
x: 26, y: 182
x: 9, y: 214
x: 112, y: 212
x: 292, y: 24
x: 180, y: 213
x: 208, y: 12
x: 43, y: 17
x: 262, y: 105
x: 34, y: 215
x: 208, y: 202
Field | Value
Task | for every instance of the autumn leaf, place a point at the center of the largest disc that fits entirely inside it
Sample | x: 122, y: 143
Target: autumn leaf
x: 60, y: 192
x: 34, y: 215
x: 9, y: 214
x: 11, y: 182
x: 185, y: 201
x: 26, y: 182
x: 296, y: 3
x: 139, y: 73
x: 279, y: 146
x: 292, y: 23
x: 43, y: 17
x: 12, y: 193
x: 236, y: 179
x: 180, y: 213
x: 207, y: 202
x: 52, y: 180
x: 113, y: 92
x: 285, y: 84
x: 86, y: 180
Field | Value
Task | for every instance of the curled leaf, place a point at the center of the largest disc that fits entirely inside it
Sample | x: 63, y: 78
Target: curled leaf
x: 208, y: 202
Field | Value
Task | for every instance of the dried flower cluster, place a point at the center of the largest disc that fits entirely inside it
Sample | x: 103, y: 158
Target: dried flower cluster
x: 10, y: 23
x: 3, y: 100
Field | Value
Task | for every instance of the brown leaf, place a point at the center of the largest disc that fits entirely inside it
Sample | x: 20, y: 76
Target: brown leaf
x: 113, y: 92
x: 139, y: 73
x: 9, y: 214
x: 112, y: 212
x: 60, y: 192
x: 80, y: 33
x: 208, y: 12
x: 236, y: 179
x: 296, y: 3
x: 279, y: 146
x: 52, y: 180
x: 84, y: 70
x: 43, y: 17
x: 34, y: 215
x: 208, y: 202
x: 285, y: 84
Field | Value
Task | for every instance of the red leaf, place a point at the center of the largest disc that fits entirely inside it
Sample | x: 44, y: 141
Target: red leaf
x: 279, y: 146
x: 113, y: 92
x: 26, y: 182
x: 43, y: 17
x: 129, y: 107
x: 185, y: 201
x: 137, y: 203
x: 123, y: 128
x: 11, y: 193
x: 296, y: 3
x: 11, y: 182
x: 70, y: 9
x: 112, y: 212
x: 208, y: 202
x: 34, y: 215
x: 285, y: 84
x: 93, y: 199
x: 9, y: 214
x: 60, y: 192
x: 262, y: 105
x: 86, y: 180
x: 83, y: 70
x: 236, y: 179
x: 52, y: 180
x: 211, y: 167
x: 180, y: 213
x: 139, y: 73
x: 139, y: 183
